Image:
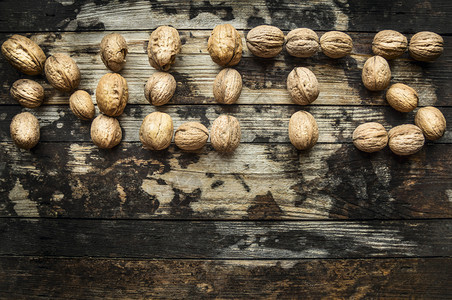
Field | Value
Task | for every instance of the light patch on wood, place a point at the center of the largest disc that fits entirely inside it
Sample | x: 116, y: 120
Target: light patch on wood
x: 79, y: 154
x: 23, y: 206
x: 449, y: 194
x: 122, y: 194
x: 164, y: 193
x: 57, y: 196
x: 341, y: 22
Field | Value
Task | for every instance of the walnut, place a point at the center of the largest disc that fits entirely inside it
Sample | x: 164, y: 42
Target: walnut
x: 265, y: 41
x: 227, y: 86
x: 225, y: 134
x: 191, y: 136
x: 28, y: 93
x: 370, y: 137
x: 105, y: 132
x: 303, y: 86
x: 24, y: 130
x: 303, y: 130
x: 24, y: 55
x: 62, y: 72
x: 376, y: 73
x: 431, y: 121
x: 406, y: 139
x: 113, y: 51
x: 160, y: 88
x: 389, y: 44
x: 112, y: 94
x: 82, y: 105
x: 225, y: 45
x: 302, y: 42
x: 402, y: 97
x: 336, y: 44
x: 156, y: 131
x: 164, y: 44
x: 426, y: 46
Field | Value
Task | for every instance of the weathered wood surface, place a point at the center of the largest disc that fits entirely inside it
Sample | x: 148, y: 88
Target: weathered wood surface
x: 87, y: 278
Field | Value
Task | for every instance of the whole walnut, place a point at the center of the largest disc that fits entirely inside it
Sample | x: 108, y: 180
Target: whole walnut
x: 406, y: 139
x: 426, y: 46
x: 225, y: 134
x: 24, y: 130
x: 370, y: 137
x: 303, y: 130
x: 191, y: 136
x: 62, y: 72
x: 164, y: 44
x: 265, y: 41
x: 82, y: 105
x: 227, y: 86
x: 302, y: 42
x: 24, y: 54
x: 336, y: 44
x: 105, y: 132
x: 302, y: 86
x: 113, y: 51
x: 376, y: 73
x: 389, y: 44
x: 160, y: 88
x: 431, y: 121
x: 156, y: 131
x: 225, y: 45
x: 402, y: 97
x: 112, y: 94
x: 27, y: 92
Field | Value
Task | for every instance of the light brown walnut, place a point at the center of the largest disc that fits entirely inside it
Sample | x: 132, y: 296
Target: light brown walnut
x: 227, y: 86
x: 191, y: 136
x: 406, y: 139
x: 431, y: 121
x: 225, y: 134
x: 24, y: 55
x: 62, y: 72
x: 164, y: 45
x: 160, y: 88
x: 27, y: 92
x: 82, y: 105
x: 156, y: 131
x: 302, y: 86
x: 106, y: 132
x: 336, y: 44
x: 112, y: 94
x: 24, y: 130
x: 303, y: 130
x: 389, y: 44
x: 402, y: 97
x: 225, y: 45
x: 370, y: 137
x: 426, y: 46
x: 302, y: 42
x: 113, y: 51
x: 376, y: 73
x: 265, y: 41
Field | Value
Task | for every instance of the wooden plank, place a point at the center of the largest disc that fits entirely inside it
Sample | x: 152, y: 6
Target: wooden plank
x: 88, y: 278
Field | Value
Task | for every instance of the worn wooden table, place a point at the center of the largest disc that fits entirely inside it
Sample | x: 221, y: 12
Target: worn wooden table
x: 267, y: 221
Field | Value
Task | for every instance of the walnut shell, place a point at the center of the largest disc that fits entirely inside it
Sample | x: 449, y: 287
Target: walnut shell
x: 302, y: 86
x: 156, y: 131
x: 164, y: 44
x: 160, y: 88
x: 191, y: 136
x: 113, y: 51
x: 27, y: 92
x: 376, y: 73
x: 431, y: 121
x: 406, y: 139
x: 389, y: 44
x: 227, y: 86
x: 370, y: 137
x: 402, y: 97
x: 336, y: 44
x: 62, y: 72
x: 112, y: 94
x: 265, y: 41
x: 82, y: 105
x: 225, y: 45
x: 426, y: 46
x: 24, y: 54
x: 303, y: 130
x: 225, y: 134
x: 302, y: 42
x: 24, y: 130
x: 105, y: 132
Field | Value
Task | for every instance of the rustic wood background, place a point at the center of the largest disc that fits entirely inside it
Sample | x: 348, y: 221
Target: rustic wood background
x: 265, y: 222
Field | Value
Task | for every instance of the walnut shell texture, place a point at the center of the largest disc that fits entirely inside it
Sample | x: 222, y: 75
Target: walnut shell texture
x: 402, y: 97
x: 265, y: 41
x: 191, y: 136
x: 370, y: 137
x: 62, y: 72
x: 426, y: 46
x: 106, y: 132
x: 302, y: 42
x: 336, y: 44
x: 376, y: 73
x: 160, y: 88
x: 24, y: 130
x: 225, y: 134
x: 24, y: 54
x: 27, y: 92
x: 82, y: 105
x: 156, y: 131
x: 225, y: 45
x: 227, y: 86
x: 389, y: 44
x: 113, y: 51
x: 112, y: 94
x: 406, y: 139
x: 164, y: 45
x: 303, y: 130
x: 302, y: 86
x: 431, y: 121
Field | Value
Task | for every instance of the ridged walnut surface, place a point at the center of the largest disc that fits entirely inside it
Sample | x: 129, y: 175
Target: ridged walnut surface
x: 113, y: 51
x: 370, y: 137
x: 112, y: 94
x: 106, y: 132
x: 225, y: 134
x: 27, y: 92
x: 336, y: 44
x: 164, y: 45
x: 265, y: 41
x: 24, y: 54
x: 402, y: 97
x: 426, y: 46
x: 406, y: 139
x: 302, y: 42
x: 389, y: 44
x: 376, y: 73
x: 225, y: 45
x: 160, y: 88
x: 302, y: 86
x: 24, y: 130
x: 431, y: 121
x: 227, y: 86
x: 303, y: 130
x: 62, y: 72
x: 191, y: 136
x: 82, y: 105
x: 156, y: 131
